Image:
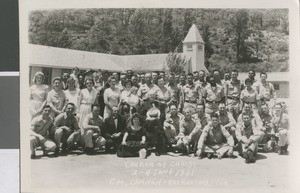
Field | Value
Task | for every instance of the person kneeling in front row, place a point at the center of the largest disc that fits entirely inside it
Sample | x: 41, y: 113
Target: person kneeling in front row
x: 212, y: 141
x: 40, y: 128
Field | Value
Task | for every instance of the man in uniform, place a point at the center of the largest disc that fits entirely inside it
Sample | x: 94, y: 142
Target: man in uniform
x: 214, y: 95
x: 248, y: 135
x: 191, y: 94
x: 268, y: 140
x: 93, y: 130
x: 233, y: 90
x: 266, y: 91
x: 39, y: 135
x: 226, y: 119
x: 189, y: 131
x: 175, y: 90
x: 145, y: 88
x: 67, y: 130
x: 212, y: 141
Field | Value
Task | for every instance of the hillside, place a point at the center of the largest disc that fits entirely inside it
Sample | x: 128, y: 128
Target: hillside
x: 235, y: 38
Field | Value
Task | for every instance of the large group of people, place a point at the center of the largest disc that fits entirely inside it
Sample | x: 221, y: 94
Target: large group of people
x: 134, y: 114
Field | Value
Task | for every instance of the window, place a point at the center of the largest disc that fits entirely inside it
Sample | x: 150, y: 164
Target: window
x: 276, y: 86
x: 48, y: 75
x: 200, y: 47
x: 190, y: 47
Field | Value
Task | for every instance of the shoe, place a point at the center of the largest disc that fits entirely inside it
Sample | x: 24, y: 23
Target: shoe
x: 219, y: 156
x: 251, y: 156
x: 56, y: 152
x: 210, y: 155
x: 89, y: 151
x: 157, y: 153
x: 32, y: 156
x: 280, y: 151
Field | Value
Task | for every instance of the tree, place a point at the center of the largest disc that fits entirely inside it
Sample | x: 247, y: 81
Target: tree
x: 175, y: 63
x: 64, y: 39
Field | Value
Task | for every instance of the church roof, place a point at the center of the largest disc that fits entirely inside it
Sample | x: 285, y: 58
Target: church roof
x: 193, y: 36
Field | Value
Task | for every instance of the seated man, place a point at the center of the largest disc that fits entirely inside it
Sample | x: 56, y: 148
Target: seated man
x: 268, y: 141
x: 254, y: 117
x: 66, y: 129
x: 171, y: 124
x: 212, y: 140
x: 248, y: 135
x: 93, y: 128
x: 280, y: 126
x: 40, y: 128
x: 189, y: 133
x: 115, y: 126
x: 226, y: 119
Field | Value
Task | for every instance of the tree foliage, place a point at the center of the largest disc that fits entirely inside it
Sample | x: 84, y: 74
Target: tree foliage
x: 233, y: 37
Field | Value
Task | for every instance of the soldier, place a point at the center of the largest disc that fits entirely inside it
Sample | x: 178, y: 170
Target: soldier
x: 214, y: 95
x: 233, y: 90
x: 191, y: 94
x: 226, y: 119
x: 280, y: 126
x: 248, y: 135
x: 39, y: 135
x: 145, y: 88
x: 266, y: 91
x: 268, y: 140
x: 189, y: 133
x: 212, y: 141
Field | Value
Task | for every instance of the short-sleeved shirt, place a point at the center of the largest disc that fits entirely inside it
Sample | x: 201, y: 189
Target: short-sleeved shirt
x: 249, y: 97
x: 215, y: 135
x: 204, y: 120
x: 90, y: 120
x: 214, y: 93
x: 266, y: 91
x: 175, y: 119
x: 64, y: 120
x: 254, y: 118
x: 189, y: 126
x: 41, y: 126
x: 163, y: 94
x: 233, y: 89
x: 192, y: 93
x: 280, y: 122
x: 144, y: 89
x: 226, y: 118
x: 175, y: 91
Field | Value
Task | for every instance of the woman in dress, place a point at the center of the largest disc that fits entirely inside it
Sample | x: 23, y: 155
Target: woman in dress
x: 249, y: 95
x: 87, y: 97
x: 134, y: 140
x: 111, y: 97
x: 129, y: 95
x: 72, y: 94
x: 38, y: 94
x: 56, y: 97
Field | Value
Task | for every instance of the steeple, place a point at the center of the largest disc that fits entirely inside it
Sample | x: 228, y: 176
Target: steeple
x: 193, y: 36
x: 193, y: 48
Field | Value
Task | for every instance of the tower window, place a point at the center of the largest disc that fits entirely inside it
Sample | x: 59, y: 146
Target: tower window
x: 190, y: 47
x: 200, y: 47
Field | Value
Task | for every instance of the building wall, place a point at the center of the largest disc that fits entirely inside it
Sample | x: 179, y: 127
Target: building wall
x: 283, y: 91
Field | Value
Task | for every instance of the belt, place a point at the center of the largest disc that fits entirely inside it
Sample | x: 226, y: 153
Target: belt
x: 190, y: 101
x: 250, y: 102
x: 214, y: 102
x: 233, y: 98
x: 264, y: 99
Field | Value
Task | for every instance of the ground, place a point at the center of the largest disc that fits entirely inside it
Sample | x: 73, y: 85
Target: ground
x: 268, y: 174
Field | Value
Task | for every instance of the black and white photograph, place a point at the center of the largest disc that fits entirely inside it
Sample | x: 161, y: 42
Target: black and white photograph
x: 177, y: 97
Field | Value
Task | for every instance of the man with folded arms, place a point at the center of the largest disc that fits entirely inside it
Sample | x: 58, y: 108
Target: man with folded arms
x: 40, y: 128
x: 212, y: 141
x: 93, y: 127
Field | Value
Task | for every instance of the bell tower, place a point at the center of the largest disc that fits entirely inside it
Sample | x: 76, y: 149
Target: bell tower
x: 194, y: 48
